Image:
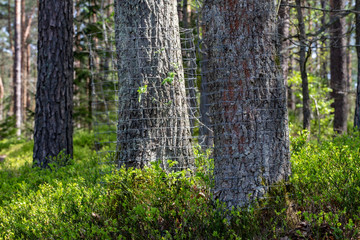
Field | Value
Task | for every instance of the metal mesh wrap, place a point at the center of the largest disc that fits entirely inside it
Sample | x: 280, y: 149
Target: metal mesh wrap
x: 145, y: 110
x: 246, y: 99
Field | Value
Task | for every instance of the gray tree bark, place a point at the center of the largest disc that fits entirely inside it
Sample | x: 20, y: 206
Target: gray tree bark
x: 248, y: 100
x: 17, y: 68
x: 338, y: 81
x: 303, y: 71
x: 153, y: 124
x: 54, y: 91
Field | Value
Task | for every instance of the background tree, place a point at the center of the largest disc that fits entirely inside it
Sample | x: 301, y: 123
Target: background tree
x: 339, y: 83
x: 17, y: 68
x: 357, y: 104
x: 54, y: 92
x: 153, y: 117
x: 304, y: 55
x: 248, y: 104
x: 1, y: 98
x: 26, y: 22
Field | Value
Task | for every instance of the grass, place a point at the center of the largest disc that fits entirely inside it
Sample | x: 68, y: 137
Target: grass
x: 320, y: 201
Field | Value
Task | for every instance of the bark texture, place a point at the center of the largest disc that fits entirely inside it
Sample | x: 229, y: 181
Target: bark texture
x: 54, y: 90
x: 357, y: 105
x: 283, y: 31
x: 338, y: 81
x: 303, y: 71
x: 153, y: 125
x: 247, y: 99
x: 17, y: 68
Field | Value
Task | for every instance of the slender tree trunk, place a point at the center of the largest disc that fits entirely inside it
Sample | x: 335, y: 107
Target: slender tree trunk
x: 291, y: 93
x: 338, y: 80
x: 153, y: 124
x: 28, y: 67
x: 283, y: 31
x: 11, y: 41
x: 17, y: 68
x: 1, y: 98
x: 23, y: 61
x: 247, y: 99
x: 26, y: 22
x: 348, y: 57
x: 185, y: 14
x: 54, y: 91
x: 357, y: 105
x: 303, y: 59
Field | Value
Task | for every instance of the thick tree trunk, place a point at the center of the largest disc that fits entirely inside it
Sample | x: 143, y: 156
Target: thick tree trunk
x: 247, y: 100
x: 303, y: 60
x: 153, y: 123
x: 17, y: 68
x: 357, y: 105
x: 338, y: 80
x: 54, y: 92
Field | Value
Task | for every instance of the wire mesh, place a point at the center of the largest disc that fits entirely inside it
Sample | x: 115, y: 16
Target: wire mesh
x: 146, y: 103
x: 146, y: 110
x: 246, y: 100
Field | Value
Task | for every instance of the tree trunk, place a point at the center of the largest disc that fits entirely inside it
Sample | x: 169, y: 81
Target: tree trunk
x: 338, y: 80
x: 17, y: 68
x: 11, y: 41
x: 153, y: 120
x: 323, y: 51
x: 303, y: 59
x: 54, y: 90
x: 283, y: 31
x: 247, y: 99
x: 348, y: 52
x: 1, y: 98
x: 185, y: 14
x: 25, y: 33
x: 23, y: 61
x: 9, y: 28
x: 28, y: 67
x: 357, y: 105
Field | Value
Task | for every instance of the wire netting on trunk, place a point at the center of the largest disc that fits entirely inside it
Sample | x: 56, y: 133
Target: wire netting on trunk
x: 147, y: 109
x: 246, y: 99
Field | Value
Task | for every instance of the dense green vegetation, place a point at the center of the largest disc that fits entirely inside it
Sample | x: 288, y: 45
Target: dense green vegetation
x: 75, y: 201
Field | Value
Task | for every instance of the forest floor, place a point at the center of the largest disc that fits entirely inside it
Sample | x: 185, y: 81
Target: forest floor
x: 76, y: 201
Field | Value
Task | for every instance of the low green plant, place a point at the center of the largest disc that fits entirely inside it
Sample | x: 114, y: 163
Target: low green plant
x: 74, y: 201
x: 320, y: 104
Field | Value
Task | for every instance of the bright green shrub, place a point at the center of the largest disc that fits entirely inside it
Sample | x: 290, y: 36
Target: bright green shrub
x: 326, y: 181
x: 74, y: 201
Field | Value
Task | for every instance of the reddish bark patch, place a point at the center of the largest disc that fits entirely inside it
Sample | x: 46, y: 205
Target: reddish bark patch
x: 246, y: 69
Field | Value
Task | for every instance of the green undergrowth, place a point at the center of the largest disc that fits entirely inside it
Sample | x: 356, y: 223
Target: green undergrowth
x: 320, y: 201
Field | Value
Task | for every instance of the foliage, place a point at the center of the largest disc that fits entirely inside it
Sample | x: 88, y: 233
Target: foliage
x: 320, y: 201
x: 321, y: 123
x: 326, y: 181
x: 7, y: 128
